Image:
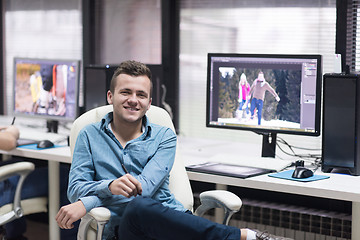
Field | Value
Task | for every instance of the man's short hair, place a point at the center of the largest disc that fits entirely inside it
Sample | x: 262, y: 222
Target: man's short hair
x: 131, y: 68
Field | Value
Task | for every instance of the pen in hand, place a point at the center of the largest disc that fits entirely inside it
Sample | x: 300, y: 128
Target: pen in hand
x: 126, y: 171
x: 4, y: 128
x: 124, y: 168
x: 13, y: 121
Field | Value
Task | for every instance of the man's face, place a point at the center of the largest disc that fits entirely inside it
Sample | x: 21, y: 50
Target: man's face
x: 131, y: 98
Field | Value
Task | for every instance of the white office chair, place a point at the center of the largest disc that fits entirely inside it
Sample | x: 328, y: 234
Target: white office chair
x: 179, y: 181
x: 18, y: 207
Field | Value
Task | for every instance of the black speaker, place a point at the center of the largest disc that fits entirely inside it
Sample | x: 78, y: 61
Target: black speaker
x: 340, y: 130
x: 97, y: 80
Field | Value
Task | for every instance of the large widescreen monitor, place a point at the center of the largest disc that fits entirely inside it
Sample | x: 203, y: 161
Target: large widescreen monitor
x: 265, y: 93
x: 46, y: 88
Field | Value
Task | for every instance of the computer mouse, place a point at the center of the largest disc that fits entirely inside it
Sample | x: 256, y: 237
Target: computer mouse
x: 45, y: 144
x: 302, y: 172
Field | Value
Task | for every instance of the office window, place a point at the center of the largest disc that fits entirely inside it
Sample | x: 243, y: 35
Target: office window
x: 129, y: 29
x: 40, y: 29
x: 353, y: 36
x: 258, y: 26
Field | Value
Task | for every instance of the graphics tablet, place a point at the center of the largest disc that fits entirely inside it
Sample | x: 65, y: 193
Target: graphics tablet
x: 229, y: 170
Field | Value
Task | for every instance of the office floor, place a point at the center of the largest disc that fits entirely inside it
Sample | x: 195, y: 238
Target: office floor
x: 37, y: 230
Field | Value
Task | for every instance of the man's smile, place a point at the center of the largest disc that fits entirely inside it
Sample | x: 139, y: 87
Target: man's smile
x: 131, y: 108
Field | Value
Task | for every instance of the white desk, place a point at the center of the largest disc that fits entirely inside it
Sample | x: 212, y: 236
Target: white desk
x: 53, y: 155
x: 341, y: 187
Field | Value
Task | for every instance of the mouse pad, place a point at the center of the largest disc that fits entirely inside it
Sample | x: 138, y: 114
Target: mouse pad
x: 287, y: 175
x: 34, y: 147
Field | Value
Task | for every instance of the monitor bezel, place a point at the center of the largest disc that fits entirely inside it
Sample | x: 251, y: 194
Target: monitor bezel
x: 64, y: 119
x: 264, y: 130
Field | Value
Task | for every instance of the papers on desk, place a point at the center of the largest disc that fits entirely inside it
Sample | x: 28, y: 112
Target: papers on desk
x: 25, y: 141
x: 37, y: 134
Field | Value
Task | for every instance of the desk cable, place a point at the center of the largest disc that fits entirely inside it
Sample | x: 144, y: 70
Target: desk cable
x: 313, y: 159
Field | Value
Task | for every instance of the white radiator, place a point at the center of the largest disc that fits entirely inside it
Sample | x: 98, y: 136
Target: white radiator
x: 291, y: 221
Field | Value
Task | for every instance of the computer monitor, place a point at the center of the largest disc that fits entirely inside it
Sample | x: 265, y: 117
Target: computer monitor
x: 265, y: 93
x: 46, y: 88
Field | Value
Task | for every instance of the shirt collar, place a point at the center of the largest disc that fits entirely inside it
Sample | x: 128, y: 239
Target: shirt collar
x: 108, y: 118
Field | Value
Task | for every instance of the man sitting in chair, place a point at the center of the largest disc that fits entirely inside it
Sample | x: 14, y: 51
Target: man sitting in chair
x: 123, y: 163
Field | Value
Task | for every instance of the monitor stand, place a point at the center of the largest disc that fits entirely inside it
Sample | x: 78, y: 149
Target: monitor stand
x: 52, y: 126
x: 268, y: 145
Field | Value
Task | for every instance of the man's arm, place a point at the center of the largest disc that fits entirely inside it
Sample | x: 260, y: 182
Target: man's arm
x: 82, y: 183
x: 69, y: 214
x: 159, y: 166
x: 8, y: 137
x: 252, y: 87
x: 272, y: 91
x: 126, y: 185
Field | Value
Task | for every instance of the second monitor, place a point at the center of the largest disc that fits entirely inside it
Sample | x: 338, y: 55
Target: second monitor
x: 46, y: 88
x: 265, y: 93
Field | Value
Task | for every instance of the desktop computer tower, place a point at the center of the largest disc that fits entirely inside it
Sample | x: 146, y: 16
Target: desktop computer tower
x: 341, y: 129
x: 96, y: 83
x: 97, y: 80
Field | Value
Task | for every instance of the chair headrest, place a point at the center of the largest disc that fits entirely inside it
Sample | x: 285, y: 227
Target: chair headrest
x: 155, y: 115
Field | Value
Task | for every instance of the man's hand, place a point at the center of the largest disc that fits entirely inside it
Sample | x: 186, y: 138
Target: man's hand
x: 69, y: 214
x: 126, y: 185
x: 8, y: 137
x: 14, y: 131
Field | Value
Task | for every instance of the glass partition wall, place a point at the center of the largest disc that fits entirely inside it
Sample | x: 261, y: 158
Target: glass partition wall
x: 259, y: 27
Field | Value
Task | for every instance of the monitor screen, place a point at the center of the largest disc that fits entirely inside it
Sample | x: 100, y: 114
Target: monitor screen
x: 46, y: 88
x: 264, y: 93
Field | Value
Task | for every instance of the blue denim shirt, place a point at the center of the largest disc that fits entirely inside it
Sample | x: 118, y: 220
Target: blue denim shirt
x: 97, y: 160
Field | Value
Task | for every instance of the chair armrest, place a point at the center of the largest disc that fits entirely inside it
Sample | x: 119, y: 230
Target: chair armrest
x: 22, y: 169
x: 228, y: 201
x: 100, y: 215
x: 13, y: 169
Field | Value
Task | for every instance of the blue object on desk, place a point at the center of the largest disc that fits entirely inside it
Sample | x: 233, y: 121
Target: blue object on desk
x: 34, y: 146
x: 288, y: 175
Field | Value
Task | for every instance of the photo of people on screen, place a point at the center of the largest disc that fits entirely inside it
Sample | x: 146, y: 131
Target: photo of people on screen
x: 244, y: 97
x: 258, y: 90
x: 43, y: 89
x: 261, y: 97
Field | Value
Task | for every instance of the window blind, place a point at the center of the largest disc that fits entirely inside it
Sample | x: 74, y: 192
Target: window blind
x: 128, y: 30
x: 47, y: 29
x: 352, y: 36
x: 259, y: 26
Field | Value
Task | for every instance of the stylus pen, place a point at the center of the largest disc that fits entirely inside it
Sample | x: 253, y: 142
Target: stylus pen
x: 13, y: 121
x: 126, y: 171
x: 124, y: 168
